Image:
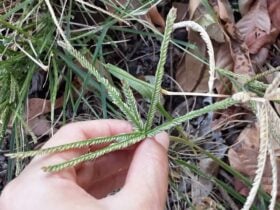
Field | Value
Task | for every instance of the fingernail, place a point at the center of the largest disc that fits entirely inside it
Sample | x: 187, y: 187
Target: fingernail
x: 163, y: 139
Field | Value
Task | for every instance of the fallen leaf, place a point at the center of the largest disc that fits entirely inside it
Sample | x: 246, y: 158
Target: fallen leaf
x: 207, y: 204
x: 260, y: 39
x: 260, y: 58
x: 232, y: 55
x: 39, y: 106
x: 223, y: 60
x: 243, y: 157
x: 242, y: 60
x: 193, y: 7
x: 224, y: 10
x: 255, y: 24
x: 191, y: 73
x: 182, y: 11
x: 255, y: 28
x: 245, y: 5
x: 202, y: 187
x: 40, y: 126
x: 36, y: 108
x: 226, y: 18
x: 212, y: 27
x: 155, y: 18
x: 274, y: 12
x: 224, y: 55
x: 215, y: 32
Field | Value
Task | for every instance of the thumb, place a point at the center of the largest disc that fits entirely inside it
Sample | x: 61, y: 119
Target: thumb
x: 147, y: 179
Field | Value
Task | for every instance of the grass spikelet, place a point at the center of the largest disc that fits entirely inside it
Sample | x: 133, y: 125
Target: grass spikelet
x: 160, y: 67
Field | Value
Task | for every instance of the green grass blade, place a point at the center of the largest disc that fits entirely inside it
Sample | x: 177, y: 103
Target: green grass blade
x: 53, y: 79
x: 142, y: 87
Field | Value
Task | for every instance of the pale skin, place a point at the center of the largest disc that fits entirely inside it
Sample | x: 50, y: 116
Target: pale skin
x: 140, y: 171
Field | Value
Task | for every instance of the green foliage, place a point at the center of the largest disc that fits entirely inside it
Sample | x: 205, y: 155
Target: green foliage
x: 15, y: 66
x: 128, y: 107
x: 113, y: 92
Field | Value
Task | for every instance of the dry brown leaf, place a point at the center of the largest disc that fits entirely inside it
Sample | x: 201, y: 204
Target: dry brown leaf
x: 40, y: 126
x: 256, y: 20
x: 193, y: 7
x: 225, y: 14
x: 182, y: 11
x: 191, y: 73
x: 242, y: 60
x: 260, y: 39
x: 243, y: 157
x: 39, y: 106
x: 223, y: 60
x: 224, y: 11
x: 255, y: 39
x: 202, y: 187
x: 259, y: 58
x: 223, y: 57
x: 213, y: 28
x: 207, y: 204
x: 233, y: 56
x: 223, y: 51
x: 155, y: 18
x: 36, y: 107
x: 274, y: 12
x: 255, y: 24
x: 255, y: 28
x: 245, y: 5
x: 216, y: 33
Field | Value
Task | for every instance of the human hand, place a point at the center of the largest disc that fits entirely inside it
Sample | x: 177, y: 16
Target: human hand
x: 141, y: 171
